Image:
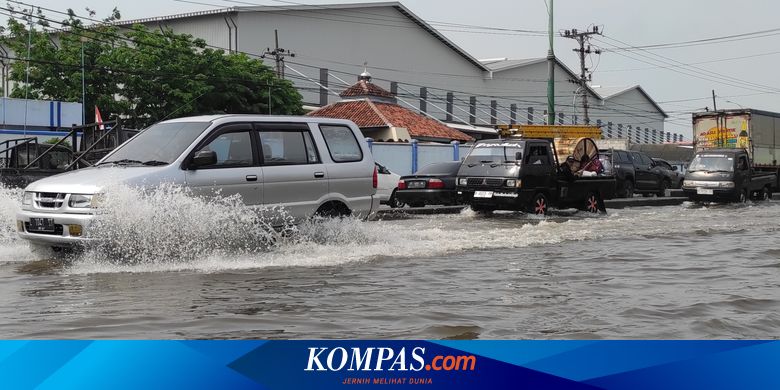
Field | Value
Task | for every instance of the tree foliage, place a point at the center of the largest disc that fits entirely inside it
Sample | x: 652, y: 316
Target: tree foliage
x: 141, y: 75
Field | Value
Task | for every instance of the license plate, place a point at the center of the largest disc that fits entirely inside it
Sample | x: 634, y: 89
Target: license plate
x: 416, y: 184
x: 483, y: 194
x: 41, y: 224
x: 704, y: 191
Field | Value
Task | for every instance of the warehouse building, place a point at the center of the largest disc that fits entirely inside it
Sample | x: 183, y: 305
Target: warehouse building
x: 422, y: 68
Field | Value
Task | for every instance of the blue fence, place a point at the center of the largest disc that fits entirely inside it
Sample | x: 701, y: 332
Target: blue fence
x: 408, y: 158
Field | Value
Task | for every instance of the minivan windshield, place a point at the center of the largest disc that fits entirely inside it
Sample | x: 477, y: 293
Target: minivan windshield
x: 495, y: 153
x: 159, y: 144
x: 712, y: 163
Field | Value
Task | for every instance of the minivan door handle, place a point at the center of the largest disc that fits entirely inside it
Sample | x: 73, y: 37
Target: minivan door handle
x: 319, y: 175
x: 251, y: 177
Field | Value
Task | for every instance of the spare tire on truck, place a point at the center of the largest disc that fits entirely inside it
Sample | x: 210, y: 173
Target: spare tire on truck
x: 577, y: 148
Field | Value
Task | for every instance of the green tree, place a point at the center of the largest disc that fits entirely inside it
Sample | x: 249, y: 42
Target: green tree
x: 140, y: 75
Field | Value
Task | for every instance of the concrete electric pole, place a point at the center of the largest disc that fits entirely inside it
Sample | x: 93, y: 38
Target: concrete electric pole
x: 278, y: 54
x: 550, y: 71
x: 582, y: 38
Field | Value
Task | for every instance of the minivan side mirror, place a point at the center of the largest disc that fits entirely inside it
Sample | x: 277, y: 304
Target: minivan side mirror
x: 518, y: 156
x: 674, y: 167
x: 203, y: 158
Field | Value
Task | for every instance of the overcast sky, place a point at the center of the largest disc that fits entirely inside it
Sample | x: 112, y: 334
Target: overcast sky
x: 753, y: 81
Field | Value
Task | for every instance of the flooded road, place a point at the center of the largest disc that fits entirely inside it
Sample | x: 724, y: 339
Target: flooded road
x: 653, y: 272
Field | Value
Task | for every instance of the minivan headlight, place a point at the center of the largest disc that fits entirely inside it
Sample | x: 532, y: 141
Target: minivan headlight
x: 463, y: 181
x: 726, y: 184
x: 80, y: 201
x: 27, y: 198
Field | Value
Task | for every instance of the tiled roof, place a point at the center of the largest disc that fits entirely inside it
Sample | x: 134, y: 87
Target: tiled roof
x: 366, y: 113
x: 365, y: 88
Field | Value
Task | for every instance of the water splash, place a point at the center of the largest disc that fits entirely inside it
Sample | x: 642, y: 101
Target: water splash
x: 11, y: 247
x: 167, y: 224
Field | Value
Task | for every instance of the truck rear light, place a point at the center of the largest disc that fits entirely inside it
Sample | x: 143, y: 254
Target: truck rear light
x: 376, y: 179
x: 435, y: 183
x: 401, y: 185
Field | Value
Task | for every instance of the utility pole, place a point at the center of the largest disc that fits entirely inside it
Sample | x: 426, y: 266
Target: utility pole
x: 582, y: 37
x: 278, y: 54
x: 550, y: 71
x: 714, y: 104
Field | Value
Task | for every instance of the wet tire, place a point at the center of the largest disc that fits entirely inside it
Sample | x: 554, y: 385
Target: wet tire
x: 394, y: 203
x: 743, y: 196
x: 484, y: 210
x: 539, y: 205
x: 628, y: 189
x: 766, y: 194
x: 592, y: 203
x: 333, y: 210
x: 665, y: 184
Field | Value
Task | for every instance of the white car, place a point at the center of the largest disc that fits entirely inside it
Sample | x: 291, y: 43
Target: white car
x: 309, y: 166
x: 386, y: 185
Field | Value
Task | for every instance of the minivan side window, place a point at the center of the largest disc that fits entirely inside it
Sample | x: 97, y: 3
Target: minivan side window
x: 288, y: 147
x: 342, y: 145
x: 233, y: 148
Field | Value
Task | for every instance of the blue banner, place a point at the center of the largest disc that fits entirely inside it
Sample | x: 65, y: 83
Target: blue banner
x: 323, y: 364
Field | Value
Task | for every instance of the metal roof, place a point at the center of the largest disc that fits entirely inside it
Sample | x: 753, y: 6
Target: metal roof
x: 607, y: 93
x: 502, y: 65
x: 304, y: 7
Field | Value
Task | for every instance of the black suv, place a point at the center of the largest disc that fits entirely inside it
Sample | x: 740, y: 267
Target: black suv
x: 635, y: 173
x: 670, y: 172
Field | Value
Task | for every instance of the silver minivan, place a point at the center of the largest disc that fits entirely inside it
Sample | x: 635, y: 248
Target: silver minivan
x: 307, y: 165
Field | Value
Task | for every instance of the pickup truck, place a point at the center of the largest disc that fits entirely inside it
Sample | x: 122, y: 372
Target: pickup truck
x: 525, y: 175
x: 725, y: 175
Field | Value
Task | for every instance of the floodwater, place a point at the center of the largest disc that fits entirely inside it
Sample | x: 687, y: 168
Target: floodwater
x: 181, y: 268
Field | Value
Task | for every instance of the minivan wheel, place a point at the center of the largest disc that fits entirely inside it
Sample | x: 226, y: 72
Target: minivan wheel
x: 742, y: 196
x: 539, y: 205
x: 333, y: 210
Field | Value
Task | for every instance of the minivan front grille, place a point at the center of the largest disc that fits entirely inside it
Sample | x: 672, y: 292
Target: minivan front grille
x: 48, y: 200
x: 484, y: 181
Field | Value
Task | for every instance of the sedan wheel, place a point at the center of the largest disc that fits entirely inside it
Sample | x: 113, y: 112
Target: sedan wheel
x: 394, y: 203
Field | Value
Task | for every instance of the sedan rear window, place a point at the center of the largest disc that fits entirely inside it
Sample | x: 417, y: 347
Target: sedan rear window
x: 440, y: 168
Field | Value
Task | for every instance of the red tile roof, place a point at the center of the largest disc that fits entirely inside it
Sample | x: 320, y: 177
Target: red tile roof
x: 366, y: 88
x: 366, y: 113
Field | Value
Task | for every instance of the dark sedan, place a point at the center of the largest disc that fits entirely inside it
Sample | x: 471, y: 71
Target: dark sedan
x: 434, y: 184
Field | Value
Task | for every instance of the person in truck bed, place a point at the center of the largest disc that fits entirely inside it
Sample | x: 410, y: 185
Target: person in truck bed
x: 593, y: 166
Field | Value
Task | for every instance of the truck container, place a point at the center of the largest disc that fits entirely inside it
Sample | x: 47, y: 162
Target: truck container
x: 756, y: 131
